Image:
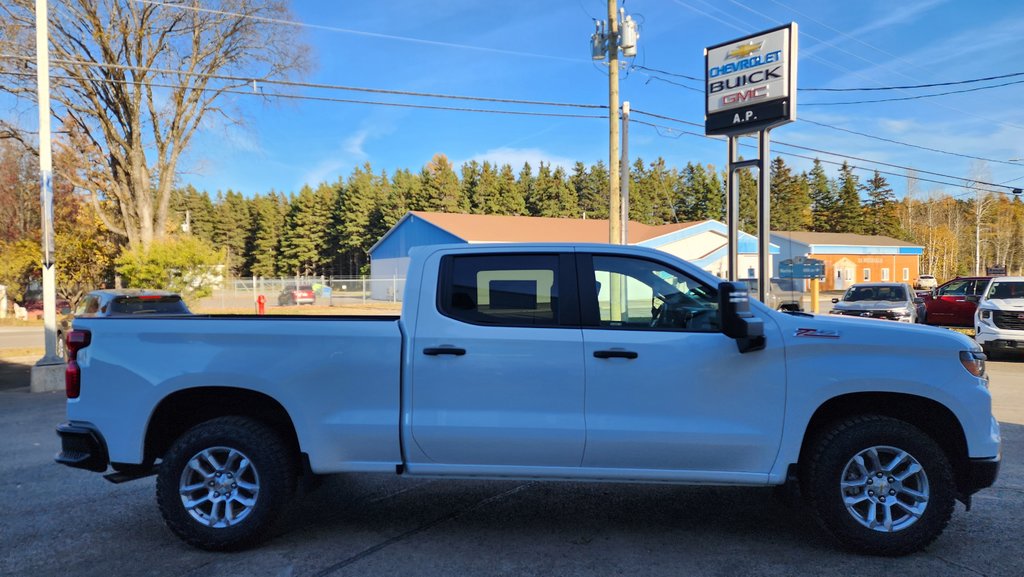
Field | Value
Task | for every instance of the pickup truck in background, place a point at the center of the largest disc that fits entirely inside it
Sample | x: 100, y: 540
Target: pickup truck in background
x: 539, y: 361
x: 999, y: 320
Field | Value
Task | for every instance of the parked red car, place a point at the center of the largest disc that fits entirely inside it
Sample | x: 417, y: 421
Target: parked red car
x: 953, y: 303
x: 304, y: 295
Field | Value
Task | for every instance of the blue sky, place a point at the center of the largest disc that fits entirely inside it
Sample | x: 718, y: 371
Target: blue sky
x: 539, y: 50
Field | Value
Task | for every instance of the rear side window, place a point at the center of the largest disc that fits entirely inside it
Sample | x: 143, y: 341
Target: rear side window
x: 163, y: 305
x: 507, y: 290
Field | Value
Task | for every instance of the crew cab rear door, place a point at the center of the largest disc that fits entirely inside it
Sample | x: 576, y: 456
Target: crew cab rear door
x: 497, y: 364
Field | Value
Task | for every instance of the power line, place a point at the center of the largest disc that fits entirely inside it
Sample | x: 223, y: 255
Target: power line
x: 883, y: 139
x: 358, y: 32
x: 250, y: 79
x: 864, y: 134
x: 918, y: 97
x: 457, y: 109
x: 911, y: 86
x: 667, y: 73
x: 322, y: 98
x: 841, y: 155
x: 823, y: 161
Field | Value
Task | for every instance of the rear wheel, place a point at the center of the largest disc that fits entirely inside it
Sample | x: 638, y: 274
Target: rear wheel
x: 879, y: 485
x: 224, y: 483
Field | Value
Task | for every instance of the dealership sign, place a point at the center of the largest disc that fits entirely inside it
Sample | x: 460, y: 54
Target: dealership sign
x: 750, y: 83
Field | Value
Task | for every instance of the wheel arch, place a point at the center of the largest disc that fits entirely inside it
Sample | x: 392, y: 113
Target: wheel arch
x: 183, y: 409
x: 933, y: 418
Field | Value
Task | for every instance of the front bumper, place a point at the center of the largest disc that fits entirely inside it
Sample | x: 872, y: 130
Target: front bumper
x: 82, y: 447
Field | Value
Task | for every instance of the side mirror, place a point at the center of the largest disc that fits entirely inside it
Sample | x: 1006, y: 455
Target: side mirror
x: 835, y: 300
x: 735, y: 318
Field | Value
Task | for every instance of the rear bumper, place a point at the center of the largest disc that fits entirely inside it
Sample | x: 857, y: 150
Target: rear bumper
x: 980, y: 473
x: 82, y: 447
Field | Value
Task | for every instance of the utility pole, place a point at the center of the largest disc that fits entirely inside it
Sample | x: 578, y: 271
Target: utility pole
x: 47, y: 372
x: 614, y: 217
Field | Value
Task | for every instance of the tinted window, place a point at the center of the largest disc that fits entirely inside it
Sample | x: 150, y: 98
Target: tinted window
x: 148, y: 305
x: 511, y: 290
x: 957, y: 288
x: 1006, y: 290
x: 641, y: 294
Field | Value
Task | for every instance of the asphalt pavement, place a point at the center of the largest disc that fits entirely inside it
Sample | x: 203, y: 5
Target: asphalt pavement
x: 59, y: 521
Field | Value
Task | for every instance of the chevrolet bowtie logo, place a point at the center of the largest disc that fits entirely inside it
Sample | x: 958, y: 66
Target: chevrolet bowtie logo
x: 744, y: 50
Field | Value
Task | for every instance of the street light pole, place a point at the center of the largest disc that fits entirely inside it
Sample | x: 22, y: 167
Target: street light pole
x: 46, y: 188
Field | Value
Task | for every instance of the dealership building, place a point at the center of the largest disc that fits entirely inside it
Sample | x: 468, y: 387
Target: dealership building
x: 852, y: 258
x: 704, y: 243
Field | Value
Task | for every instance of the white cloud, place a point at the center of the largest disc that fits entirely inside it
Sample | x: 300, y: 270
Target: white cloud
x: 348, y: 154
x: 517, y: 156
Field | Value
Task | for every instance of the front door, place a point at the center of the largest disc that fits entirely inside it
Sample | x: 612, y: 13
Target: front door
x: 665, y: 388
x: 497, y: 365
x: 950, y: 306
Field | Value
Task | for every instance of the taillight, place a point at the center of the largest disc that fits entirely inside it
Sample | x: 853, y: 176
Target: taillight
x: 75, y: 340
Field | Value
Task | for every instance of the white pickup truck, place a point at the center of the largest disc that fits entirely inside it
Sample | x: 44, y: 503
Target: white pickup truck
x: 556, y: 362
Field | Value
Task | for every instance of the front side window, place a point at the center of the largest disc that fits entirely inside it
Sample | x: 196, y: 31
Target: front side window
x: 634, y: 293
x: 509, y: 290
x: 956, y: 288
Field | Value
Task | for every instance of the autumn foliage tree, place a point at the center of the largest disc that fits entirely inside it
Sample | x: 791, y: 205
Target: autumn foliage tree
x: 134, y: 81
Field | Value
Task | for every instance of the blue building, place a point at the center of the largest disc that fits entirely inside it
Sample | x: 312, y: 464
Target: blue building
x: 704, y: 243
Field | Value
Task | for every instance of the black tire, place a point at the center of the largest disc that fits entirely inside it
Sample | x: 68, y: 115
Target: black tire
x: 828, y: 461
x: 271, y: 470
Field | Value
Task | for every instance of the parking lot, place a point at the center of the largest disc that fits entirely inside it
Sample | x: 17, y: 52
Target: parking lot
x: 59, y: 521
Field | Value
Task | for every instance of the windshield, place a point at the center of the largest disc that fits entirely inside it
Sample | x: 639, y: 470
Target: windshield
x: 875, y: 293
x: 1006, y: 290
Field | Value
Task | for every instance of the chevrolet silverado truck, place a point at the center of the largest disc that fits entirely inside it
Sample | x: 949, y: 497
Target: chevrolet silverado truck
x: 546, y: 362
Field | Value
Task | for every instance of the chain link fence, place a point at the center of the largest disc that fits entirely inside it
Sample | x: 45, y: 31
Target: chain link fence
x: 340, y: 291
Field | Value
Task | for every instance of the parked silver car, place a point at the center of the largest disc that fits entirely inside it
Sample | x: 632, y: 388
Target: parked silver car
x: 882, y: 300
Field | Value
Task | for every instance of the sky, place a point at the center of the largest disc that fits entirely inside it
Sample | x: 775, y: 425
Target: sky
x: 539, y: 50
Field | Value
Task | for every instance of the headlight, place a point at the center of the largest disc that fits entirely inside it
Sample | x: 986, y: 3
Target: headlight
x: 986, y: 314
x: 974, y: 363
x: 901, y: 313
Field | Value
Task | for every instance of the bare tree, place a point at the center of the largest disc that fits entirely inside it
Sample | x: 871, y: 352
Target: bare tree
x: 983, y: 203
x: 132, y: 81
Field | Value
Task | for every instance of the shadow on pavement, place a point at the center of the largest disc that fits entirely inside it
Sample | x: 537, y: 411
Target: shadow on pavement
x: 15, y: 374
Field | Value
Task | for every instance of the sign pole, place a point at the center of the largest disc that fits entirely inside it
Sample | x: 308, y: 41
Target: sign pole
x: 764, y: 182
x: 732, y: 209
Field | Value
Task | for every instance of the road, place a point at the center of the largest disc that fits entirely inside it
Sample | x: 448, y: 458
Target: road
x: 21, y: 337
x: 59, y: 521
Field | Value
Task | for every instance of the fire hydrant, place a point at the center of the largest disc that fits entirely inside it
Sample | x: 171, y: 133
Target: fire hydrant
x: 261, y: 305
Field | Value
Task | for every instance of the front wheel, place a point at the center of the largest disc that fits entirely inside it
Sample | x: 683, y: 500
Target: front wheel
x: 222, y: 484
x: 879, y: 485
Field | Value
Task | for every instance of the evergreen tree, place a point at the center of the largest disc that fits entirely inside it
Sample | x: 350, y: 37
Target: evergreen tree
x: 525, y: 185
x: 197, y: 208
x: 404, y: 186
x: 511, y: 199
x: 880, y: 216
x: 748, y: 201
x: 440, y: 190
x: 486, y: 197
x: 551, y: 195
x: 704, y: 194
x: 824, y: 199
x: 848, y: 213
x: 592, y: 190
x: 232, y: 223
x: 307, y: 226
x: 650, y: 195
x: 470, y: 182
x: 268, y: 223
x: 359, y: 201
x: 790, y: 199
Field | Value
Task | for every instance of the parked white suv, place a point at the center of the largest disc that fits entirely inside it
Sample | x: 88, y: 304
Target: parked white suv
x: 999, y: 320
x: 926, y: 281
